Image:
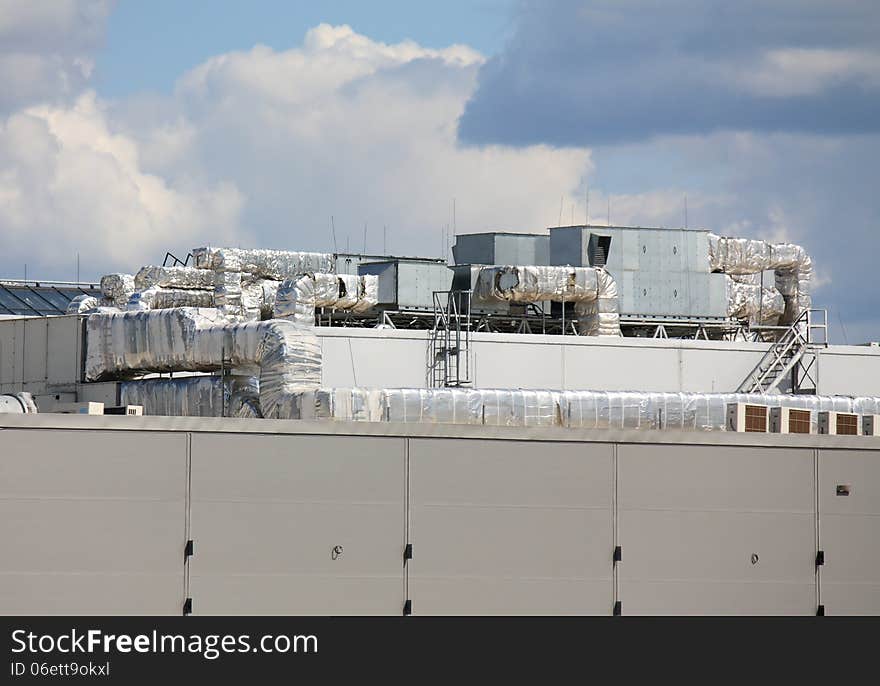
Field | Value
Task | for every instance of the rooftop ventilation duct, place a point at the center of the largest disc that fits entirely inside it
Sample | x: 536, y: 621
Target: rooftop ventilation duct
x: 285, y: 358
x: 267, y: 264
x: 591, y: 289
x: 791, y: 264
x: 296, y: 299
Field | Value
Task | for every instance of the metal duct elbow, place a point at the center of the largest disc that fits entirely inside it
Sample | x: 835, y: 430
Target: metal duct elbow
x: 601, y: 316
x: 792, y: 267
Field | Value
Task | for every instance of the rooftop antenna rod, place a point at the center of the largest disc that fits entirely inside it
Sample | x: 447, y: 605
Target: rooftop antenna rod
x: 561, y: 198
x: 333, y: 233
x: 77, y: 267
x: 572, y: 214
x: 609, y: 210
x: 685, y: 210
x: 25, y: 271
x: 365, y: 238
x: 588, y: 205
x: 454, y: 224
x: 384, y: 239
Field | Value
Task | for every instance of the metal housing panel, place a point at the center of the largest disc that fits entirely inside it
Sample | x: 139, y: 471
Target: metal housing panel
x: 36, y: 348
x: 568, y: 246
x: 10, y: 356
x: 268, y: 511
x: 92, y: 522
x: 417, y: 282
x: 848, y: 531
x: 63, y: 355
x: 510, y: 527
x: 659, y: 271
x: 716, y: 530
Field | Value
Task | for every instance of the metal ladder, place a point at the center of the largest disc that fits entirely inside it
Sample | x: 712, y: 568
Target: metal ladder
x: 787, y: 354
x: 449, y: 342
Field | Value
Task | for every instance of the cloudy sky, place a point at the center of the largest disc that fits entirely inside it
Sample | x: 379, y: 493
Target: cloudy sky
x: 132, y: 128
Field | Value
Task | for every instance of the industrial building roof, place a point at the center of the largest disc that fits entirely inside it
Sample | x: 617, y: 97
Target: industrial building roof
x: 40, y: 298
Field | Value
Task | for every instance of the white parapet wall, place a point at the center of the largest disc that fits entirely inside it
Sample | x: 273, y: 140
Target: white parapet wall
x: 397, y: 358
x: 44, y: 356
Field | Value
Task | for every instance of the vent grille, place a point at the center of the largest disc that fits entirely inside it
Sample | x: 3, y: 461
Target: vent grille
x: 799, y: 421
x: 756, y: 418
x: 598, y: 250
x: 847, y: 425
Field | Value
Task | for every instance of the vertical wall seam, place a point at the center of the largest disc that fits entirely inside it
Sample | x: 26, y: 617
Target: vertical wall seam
x: 407, y: 522
x: 818, y: 525
x: 615, y: 517
x: 187, y: 524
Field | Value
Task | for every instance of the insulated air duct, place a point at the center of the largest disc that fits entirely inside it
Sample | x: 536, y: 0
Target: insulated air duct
x: 285, y: 358
x: 297, y: 299
x: 591, y: 289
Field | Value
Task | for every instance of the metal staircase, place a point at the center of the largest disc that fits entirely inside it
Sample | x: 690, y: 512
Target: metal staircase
x: 449, y: 342
x: 792, y: 355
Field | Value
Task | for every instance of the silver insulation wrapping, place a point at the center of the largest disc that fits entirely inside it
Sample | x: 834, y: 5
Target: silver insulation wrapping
x: 173, y: 277
x: 591, y: 289
x: 194, y: 396
x: 117, y: 288
x: 792, y: 266
x: 156, y: 298
x: 297, y: 299
x: 285, y: 358
x: 267, y: 264
x: 573, y: 409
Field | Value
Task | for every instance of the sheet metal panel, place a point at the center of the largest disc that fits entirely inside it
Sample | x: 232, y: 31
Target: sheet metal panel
x: 267, y: 512
x: 717, y: 530
x: 849, y: 531
x: 92, y: 522
x: 568, y: 246
x: 10, y: 356
x: 36, y: 347
x: 64, y: 363
x: 510, y: 527
x: 417, y: 281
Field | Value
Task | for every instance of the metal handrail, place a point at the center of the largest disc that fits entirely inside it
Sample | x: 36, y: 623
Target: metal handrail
x: 792, y: 342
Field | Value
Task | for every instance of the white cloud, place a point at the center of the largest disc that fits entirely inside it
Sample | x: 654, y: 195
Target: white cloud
x: 46, y: 48
x: 356, y: 128
x: 71, y: 185
x: 260, y: 148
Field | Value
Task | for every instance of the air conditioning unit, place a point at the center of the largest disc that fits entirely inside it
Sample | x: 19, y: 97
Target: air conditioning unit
x: 748, y: 418
x: 871, y: 425
x: 839, y: 423
x: 128, y: 410
x: 790, y: 420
